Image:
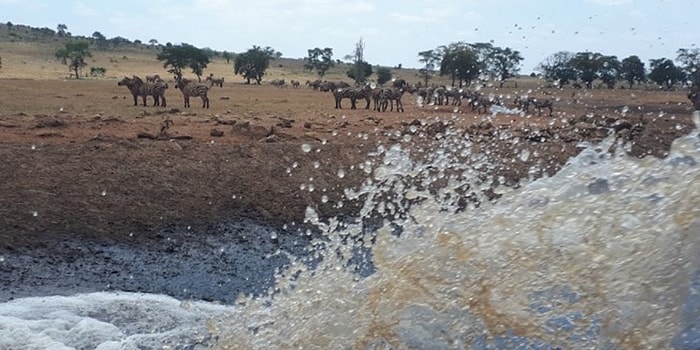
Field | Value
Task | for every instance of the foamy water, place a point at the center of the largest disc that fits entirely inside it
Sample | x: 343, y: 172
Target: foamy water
x: 605, y: 254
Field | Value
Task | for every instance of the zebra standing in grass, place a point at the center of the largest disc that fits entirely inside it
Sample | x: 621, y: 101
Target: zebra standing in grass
x: 138, y: 88
x: 192, y: 89
x: 215, y: 81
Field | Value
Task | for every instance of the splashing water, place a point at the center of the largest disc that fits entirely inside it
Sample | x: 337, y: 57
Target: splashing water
x: 604, y: 254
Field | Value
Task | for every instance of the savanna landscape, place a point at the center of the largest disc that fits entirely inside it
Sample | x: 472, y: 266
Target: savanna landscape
x: 79, y: 160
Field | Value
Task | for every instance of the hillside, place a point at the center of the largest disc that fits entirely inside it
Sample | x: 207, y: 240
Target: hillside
x: 28, y: 53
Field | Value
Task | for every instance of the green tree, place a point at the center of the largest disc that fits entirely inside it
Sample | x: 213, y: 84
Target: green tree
x: 383, y: 74
x: 461, y: 62
x: 320, y: 60
x: 99, y: 40
x: 558, y: 68
x: 178, y: 57
x: 61, y: 29
x: 153, y: 42
x: 253, y: 63
x: 609, y: 71
x: 632, y: 70
x: 9, y: 25
x: 587, y: 66
x: 359, y: 71
x: 665, y: 73
x: 73, y: 54
x: 429, y: 59
x: 690, y: 58
x: 505, y: 63
x: 227, y: 56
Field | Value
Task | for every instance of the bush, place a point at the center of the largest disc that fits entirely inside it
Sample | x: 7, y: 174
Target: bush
x: 98, y: 71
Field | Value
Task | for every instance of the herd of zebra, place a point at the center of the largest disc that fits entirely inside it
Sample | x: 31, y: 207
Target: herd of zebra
x: 155, y: 86
x: 383, y: 97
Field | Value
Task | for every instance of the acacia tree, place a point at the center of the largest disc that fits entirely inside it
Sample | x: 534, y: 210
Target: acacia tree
x: 665, y: 73
x: 61, y: 29
x: 558, y: 68
x: 227, y: 56
x: 632, y: 70
x: 99, y: 40
x: 178, y: 57
x: 460, y: 61
x: 320, y: 60
x: 73, y: 54
x: 253, y: 63
x: 505, y: 63
x: 690, y: 58
x: 609, y: 71
x: 429, y: 58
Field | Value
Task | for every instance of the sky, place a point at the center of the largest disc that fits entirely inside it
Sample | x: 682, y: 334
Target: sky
x: 393, y: 31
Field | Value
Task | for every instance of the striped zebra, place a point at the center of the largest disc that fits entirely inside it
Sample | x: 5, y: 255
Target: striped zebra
x: 138, y: 88
x: 539, y: 104
x: 295, y: 83
x: 192, y: 89
x: 215, y: 81
x: 353, y: 94
x: 388, y: 96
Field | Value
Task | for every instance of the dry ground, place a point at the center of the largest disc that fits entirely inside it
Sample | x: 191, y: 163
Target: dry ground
x: 73, y: 163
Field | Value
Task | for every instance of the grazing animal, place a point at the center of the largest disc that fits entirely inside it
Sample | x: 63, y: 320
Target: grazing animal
x: 295, y: 83
x: 540, y: 104
x: 316, y: 84
x: 353, y: 94
x: 215, y: 81
x: 192, y: 89
x: 280, y: 83
x: 138, y: 87
x: 388, y: 96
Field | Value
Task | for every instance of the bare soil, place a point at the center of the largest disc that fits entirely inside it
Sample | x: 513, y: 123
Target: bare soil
x: 79, y: 159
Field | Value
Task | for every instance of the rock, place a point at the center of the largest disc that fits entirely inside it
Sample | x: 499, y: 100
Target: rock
x: 216, y: 133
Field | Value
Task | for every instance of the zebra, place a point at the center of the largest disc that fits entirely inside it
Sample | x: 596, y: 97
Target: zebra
x: 388, y: 96
x: 280, y: 83
x: 539, y: 104
x: 192, y: 89
x: 138, y: 88
x: 316, y: 84
x: 153, y: 78
x: 215, y: 81
x: 353, y: 94
x: 295, y: 83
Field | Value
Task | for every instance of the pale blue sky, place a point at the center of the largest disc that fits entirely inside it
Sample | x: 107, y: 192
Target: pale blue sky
x: 394, y: 31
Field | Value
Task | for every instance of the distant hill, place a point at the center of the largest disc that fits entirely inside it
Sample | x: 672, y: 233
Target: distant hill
x: 28, y: 53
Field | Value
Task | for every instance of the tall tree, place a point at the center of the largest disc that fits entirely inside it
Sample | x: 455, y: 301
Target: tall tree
x: 153, y: 42
x: 609, y: 71
x: 461, y: 62
x: 665, y: 73
x: 320, y: 60
x: 61, y: 29
x: 178, y: 57
x: 253, y: 63
x: 429, y: 58
x: 587, y: 66
x: 690, y: 58
x: 73, y: 54
x: 505, y: 63
x: 359, y: 66
x: 632, y: 70
x: 558, y: 68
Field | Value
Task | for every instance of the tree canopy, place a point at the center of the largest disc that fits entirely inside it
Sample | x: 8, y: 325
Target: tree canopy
x: 690, y: 58
x: 665, y: 73
x: 253, y: 63
x: 383, y: 75
x: 460, y: 61
x: 359, y: 71
x: 320, y: 60
x: 73, y: 54
x: 557, y: 68
x: 430, y: 59
x: 632, y: 70
x: 178, y: 57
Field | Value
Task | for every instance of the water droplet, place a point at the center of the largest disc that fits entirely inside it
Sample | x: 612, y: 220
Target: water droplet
x: 2, y: 259
x: 324, y: 199
x: 295, y: 164
x: 341, y: 173
x: 35, y: 213
x: 306, y: 148
x: 317, y: 164
x: 33, y: 147
x: 679, y: 127
x: 273, y: 235
x: 524, y: 155
x: 104, y: 192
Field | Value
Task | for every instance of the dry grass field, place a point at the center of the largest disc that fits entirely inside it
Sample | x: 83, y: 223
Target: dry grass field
x: 77, y: 159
